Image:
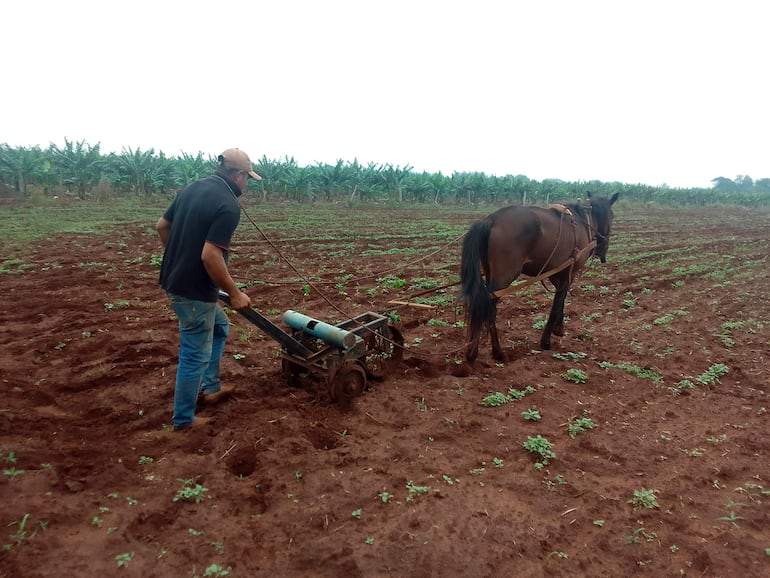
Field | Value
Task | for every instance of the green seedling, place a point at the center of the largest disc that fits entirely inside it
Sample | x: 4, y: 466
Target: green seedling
x: 356, y: 513
x: 542, y: 447
x: 531, y: 415
x: 732, y: 518
x: 517, y: 394
x: 415, y: 490
x: 569, y: 356
x: 124, y: 559
x: 22, y: 533
x: 712, y: 374
x: 580, y: 425
x: 217, y: 571
x: 191, y: 492
x: 575, y: 376
x: 12, y: 472
x: 385, y: 496
x: 644, y: 499
x: 639, y: 533
x: 683, y: 385
x: 557, y: 554
x: 495, y: 399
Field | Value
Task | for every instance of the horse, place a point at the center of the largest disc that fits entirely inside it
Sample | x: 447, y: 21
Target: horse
x: 552, y: 242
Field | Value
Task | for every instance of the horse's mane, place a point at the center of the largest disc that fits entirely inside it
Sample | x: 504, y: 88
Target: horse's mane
x: 577, y: 209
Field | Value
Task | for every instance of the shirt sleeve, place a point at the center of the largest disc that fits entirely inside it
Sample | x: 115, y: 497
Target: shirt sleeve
x: 169, y: 214
x: 222, y: 228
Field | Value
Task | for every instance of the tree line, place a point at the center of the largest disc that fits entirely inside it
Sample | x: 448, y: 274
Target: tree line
x: 80, y: 169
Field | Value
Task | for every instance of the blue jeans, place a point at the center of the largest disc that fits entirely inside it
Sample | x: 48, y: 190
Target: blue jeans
x: 203, y: 330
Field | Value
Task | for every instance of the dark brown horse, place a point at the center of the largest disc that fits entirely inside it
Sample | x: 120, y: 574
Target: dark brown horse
x: 533, y: 241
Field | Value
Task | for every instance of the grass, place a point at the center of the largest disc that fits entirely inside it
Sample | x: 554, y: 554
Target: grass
x: 22, y: 224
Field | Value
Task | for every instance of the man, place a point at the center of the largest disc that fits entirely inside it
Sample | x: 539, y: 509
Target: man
x: 195, y: 232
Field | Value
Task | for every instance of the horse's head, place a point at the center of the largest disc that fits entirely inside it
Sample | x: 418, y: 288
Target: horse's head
x: 601, y: 215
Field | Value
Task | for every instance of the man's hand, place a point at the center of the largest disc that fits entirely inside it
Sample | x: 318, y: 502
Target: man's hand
x: 240, y: 300
x: 214, y: 262
x: 163, y: 227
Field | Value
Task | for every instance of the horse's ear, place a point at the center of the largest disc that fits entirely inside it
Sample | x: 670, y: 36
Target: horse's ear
x: 614, y: 198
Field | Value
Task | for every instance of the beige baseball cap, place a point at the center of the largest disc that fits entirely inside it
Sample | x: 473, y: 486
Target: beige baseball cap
x: 237, y: 159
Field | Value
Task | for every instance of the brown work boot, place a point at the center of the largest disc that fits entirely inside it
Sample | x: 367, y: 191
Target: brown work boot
x: 213, y: 398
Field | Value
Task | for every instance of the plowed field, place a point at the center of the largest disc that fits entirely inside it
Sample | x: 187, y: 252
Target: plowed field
x: 654, y: 403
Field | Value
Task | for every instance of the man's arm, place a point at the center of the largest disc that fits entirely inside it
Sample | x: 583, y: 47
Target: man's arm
x: 214, y: 262
x: 163, y: 226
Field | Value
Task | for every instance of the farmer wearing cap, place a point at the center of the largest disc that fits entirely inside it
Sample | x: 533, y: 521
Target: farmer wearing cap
x: 195, y: 232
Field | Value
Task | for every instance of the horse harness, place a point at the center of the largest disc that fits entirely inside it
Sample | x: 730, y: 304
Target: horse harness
x: 577, y: 254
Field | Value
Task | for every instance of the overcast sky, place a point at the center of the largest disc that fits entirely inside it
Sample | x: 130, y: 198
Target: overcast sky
x: 652, y: 91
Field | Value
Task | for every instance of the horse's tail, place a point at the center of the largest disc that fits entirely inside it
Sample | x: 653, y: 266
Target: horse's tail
x: 479, y: 307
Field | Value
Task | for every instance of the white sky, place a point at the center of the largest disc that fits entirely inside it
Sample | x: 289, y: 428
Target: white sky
x: 654, y: 91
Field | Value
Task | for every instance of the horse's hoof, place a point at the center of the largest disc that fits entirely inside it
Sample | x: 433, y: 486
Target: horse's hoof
x: 545, y: 345
x: 503, y: 356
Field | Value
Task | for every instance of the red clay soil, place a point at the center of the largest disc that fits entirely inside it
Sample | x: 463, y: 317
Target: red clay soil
x: 418, y: 477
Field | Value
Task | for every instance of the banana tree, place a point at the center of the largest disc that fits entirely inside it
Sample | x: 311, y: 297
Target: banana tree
x: 137, y: 167
x: 20, y: 165
x: 191, y: 168
x: 395, y: 178
x: 79, y: 164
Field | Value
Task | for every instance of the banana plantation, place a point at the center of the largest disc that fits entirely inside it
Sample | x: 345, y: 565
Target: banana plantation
x: 83, y: 171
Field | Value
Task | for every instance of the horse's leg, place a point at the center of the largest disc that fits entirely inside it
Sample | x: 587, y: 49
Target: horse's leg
x: 558, y: 326
x: 555, y: 318
x: 497, y: 351
x: 472, y: 351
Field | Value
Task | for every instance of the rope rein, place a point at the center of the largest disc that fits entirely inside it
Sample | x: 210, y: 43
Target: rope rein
x: 576, y: 256
x: 344, y: 314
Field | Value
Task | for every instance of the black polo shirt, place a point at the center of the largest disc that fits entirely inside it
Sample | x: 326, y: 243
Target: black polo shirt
x: 206, y: 210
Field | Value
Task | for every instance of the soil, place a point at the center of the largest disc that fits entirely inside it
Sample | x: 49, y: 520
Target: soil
x: 417, y: 477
